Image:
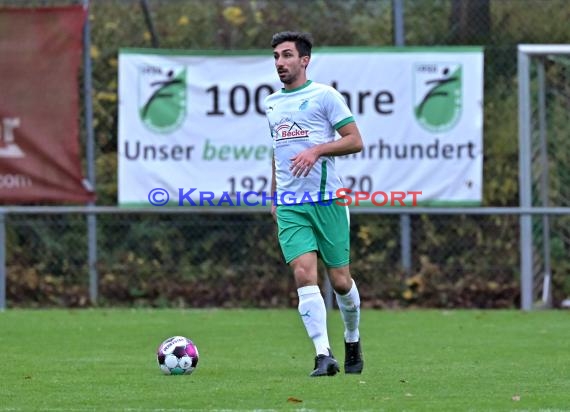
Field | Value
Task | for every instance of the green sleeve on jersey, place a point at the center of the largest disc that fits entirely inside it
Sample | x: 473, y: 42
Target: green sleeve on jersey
x: 344, y: 122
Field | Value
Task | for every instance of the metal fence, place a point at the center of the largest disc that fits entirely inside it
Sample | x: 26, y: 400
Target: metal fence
x: 50, y: 252
x: 186, y: 257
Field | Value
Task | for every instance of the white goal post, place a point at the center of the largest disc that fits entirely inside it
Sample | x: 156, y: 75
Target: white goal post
x: 534, y: 166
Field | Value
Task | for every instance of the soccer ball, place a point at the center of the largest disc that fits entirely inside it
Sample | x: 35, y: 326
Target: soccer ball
x: 177, y: 356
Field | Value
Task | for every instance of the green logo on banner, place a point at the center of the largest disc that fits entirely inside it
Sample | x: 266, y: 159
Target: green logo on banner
x: 162, y: 97
x: 438, y: 95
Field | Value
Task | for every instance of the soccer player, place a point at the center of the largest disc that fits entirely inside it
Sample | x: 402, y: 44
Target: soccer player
x: 303, y: 117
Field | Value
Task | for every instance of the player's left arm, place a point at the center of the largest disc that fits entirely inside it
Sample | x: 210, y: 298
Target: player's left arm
x: 350, y: 142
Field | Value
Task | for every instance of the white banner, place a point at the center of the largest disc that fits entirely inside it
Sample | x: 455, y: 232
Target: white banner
x: 192, y: 128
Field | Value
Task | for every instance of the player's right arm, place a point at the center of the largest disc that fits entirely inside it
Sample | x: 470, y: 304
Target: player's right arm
x: 273, y: 189
x: 350, y: 142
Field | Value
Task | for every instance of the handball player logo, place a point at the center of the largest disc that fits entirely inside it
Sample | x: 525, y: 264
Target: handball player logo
x: 438, y: 95
x: 162, y: 97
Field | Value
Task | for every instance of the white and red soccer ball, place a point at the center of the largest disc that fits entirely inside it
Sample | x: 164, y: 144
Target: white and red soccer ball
x: 177, y: 356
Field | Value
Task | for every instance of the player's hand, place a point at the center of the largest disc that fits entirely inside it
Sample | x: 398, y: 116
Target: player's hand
x: 302, y: 163
x: 274, y: 212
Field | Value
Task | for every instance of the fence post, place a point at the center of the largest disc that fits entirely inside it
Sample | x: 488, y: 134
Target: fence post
x: 405, y: 219
x: 398, y: 15
x: 90, y: 155
x: 525, y: 199
x: 544, y: 184
x: 2, y: 260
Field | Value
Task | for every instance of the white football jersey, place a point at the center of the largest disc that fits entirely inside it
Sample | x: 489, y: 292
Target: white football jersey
x: 298, y: 119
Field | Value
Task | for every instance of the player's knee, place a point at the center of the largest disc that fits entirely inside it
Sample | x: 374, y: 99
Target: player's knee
x: 304, y: 276
x: 341, y: 282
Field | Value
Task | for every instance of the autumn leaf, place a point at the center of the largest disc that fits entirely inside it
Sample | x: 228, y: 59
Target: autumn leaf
x: 234, y: 15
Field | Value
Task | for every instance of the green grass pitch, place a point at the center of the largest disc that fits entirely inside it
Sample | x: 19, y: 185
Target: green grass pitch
x: 431, y: 360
